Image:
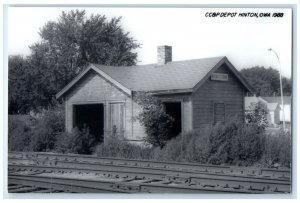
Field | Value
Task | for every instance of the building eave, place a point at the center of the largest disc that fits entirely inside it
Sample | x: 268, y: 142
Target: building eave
x: 175, y: 91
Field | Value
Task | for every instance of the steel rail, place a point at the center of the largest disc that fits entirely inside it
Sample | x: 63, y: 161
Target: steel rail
x: 100, y: 186
x: 93, y: 158
x: 61, y: 184
x: 205, y: 179
x: 147, y: 170
x: 42, y: 156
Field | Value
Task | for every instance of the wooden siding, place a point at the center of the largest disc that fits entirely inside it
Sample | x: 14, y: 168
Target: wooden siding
x: 230, y: 92
x: 197, y: 108
x: 95, y: 89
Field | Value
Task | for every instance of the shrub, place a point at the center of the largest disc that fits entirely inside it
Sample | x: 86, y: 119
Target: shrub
x: 172, y: 151
x: 186, y: 147
x: 64, y: 143
x: 258, y: 114
x: 233, y: 142
x: 50, y: 123
x: 19, y: 133
x: 83, y: 142
x: 116, y: 147
x: 29, y: 133
x: 236, y: 142
x: 153, y: 117
x: 198, y: 148
x: 79, y: 142
x: 277, y: 150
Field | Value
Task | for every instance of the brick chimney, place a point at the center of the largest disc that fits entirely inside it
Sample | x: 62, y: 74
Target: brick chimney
x: 164, y: 54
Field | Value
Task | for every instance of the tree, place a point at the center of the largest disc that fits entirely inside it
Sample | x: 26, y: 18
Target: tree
x: 67, y: 46
x: 266, y: 81
x: 18, y: 97
x: 258, y: 115
x: 286, y: 86
x: 153, y: 117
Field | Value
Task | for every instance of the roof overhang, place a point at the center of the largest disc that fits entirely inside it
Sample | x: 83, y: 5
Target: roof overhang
x: 175, y: 91
x: 101, y: 73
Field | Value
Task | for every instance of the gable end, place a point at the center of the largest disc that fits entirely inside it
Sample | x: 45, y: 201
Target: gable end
x: 235, y: 72
x: 101, y: 73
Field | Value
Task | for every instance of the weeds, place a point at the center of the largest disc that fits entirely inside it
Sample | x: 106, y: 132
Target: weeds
x: 232, y: 143
x: 116, y: 147
x: 277, y: 150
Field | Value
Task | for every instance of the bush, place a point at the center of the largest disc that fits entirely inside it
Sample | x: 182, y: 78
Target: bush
x: 153, y: 117
x: 258, y: 114
x: 277, y: 150
x: 19, y: 133
x: 40, y: 135
x: 64, y: 143
x: 116, y: 147
x: 186, y: 147
x: 50, y: 124
x: 198, y: 148
x: 236, y: 142
x: 172, y: 151
x: 78, y: 142
x: 83, y: 142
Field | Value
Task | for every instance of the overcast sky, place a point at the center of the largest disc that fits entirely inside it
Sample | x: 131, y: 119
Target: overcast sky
x: 191, y: 34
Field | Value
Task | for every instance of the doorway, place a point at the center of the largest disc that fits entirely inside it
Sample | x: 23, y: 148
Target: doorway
x: 173, y: 109
x: 90, y: 116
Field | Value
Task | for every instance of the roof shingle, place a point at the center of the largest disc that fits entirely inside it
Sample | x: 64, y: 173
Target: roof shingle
x: 171, y: 76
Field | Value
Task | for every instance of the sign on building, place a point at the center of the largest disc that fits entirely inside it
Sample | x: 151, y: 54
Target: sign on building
x: 219, y: 77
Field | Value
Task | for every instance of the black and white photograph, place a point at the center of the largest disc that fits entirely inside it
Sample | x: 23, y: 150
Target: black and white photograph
x: 149, y: 100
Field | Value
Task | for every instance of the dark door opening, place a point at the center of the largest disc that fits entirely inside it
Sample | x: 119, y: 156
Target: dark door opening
x: 174, y: 110
x: 92, y: 117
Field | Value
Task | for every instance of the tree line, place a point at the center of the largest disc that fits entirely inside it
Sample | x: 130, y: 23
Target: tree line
x: 266, y: 82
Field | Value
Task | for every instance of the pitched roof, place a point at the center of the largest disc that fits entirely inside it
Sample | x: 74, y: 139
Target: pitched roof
x: 171, y: 76
x: 286, y: 99
x: 177, y: 76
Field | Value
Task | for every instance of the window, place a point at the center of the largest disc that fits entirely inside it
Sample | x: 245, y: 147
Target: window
x: 219, y: 112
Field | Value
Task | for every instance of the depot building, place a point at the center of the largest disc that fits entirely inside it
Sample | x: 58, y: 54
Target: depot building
x: 197, y: 93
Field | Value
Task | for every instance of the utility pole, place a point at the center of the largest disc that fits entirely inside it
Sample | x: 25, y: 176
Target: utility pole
x: 281, y: 92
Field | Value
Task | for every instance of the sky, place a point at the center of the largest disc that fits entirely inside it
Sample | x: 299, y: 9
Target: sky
x: 244, y: 40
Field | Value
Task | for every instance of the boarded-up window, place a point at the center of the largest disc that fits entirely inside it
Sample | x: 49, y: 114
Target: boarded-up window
x: 117, y: 117
x: 219, y: 112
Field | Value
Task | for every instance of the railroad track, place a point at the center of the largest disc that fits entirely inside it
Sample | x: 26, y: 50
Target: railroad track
x: 92, y: 174
x: 42, y: 157
x: 19, y: 188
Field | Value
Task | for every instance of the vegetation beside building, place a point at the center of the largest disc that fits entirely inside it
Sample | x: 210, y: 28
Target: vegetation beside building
x: 230, y: 143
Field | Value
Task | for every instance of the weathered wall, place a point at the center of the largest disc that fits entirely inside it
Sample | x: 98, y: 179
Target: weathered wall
x: 95, y: 89
x: 230, y: 92
x: 197, y: 108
